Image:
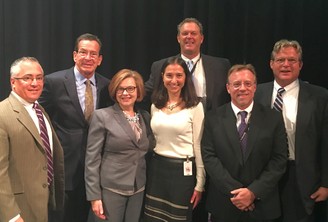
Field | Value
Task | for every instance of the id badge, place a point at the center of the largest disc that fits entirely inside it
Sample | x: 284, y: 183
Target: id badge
x: 187, y: 168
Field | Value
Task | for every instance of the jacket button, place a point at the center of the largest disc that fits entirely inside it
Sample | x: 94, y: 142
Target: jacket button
x: 44, y: 185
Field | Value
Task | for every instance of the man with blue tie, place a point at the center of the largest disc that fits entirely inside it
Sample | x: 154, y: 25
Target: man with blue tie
x: 244, y: 152
x: 304, y: 108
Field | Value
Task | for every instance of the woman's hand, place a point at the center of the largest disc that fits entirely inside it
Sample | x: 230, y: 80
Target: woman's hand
x: 97, y: 208
x: 196, y: 197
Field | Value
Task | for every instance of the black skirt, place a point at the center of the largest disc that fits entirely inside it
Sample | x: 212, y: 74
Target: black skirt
x: 168, y: 191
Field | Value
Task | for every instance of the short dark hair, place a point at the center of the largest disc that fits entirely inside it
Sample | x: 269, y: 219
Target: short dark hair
x: 120, y: 76
x: 188, y: 93
x: 87, y: 36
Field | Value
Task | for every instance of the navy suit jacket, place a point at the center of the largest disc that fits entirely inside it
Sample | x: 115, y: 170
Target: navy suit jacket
x: 60, y: 100
x: 311, y: 138
x: 216, y: 70
x: 260, y: 170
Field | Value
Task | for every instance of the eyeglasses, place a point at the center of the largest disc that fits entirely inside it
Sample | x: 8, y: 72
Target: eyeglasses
x: 237, y: 85
x: 129, y: 89
x: 30, y: 79
x: 84, y: 53
x: 281, y: 61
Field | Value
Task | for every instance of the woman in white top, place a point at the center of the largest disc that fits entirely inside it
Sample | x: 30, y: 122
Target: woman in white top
x: 176, y: 173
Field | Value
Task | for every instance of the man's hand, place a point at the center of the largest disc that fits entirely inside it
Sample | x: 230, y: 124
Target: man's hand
x: 196, y: 197
x: 97, y: 208
x: 320, y: 195
x: 243, y: 199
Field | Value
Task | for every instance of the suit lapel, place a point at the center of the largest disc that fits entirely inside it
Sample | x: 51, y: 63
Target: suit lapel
x: 304, y: 112
x: 266, y: 94
x: 207, y: 69
x: 25, y: 119
x: 254, y: 123
x: 120, y: 118
x: 72, y: 91
x: 229, y: 122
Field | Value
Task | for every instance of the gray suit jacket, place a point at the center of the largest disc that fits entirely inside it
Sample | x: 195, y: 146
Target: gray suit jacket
x: 311, y: 139
x: 216, y: 70
x: 23, y: 166
x: 60, y: 100
x: 114, y: 158
x: 260, y: 170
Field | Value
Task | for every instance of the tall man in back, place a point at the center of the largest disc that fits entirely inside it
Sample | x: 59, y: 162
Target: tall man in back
x: 208, y: 74
x: 305, y: 111
x: 69, y: 96
x: 31, y: 157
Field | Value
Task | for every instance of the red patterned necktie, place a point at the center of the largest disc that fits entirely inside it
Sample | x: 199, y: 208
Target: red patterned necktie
x: 45, y: 141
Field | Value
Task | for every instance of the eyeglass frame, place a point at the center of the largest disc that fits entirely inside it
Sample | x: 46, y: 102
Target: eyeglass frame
x: 281, y: 61
x: 237, y: 85
x: 30, y: 79
x: 85, y: 53
x: 129, y: 89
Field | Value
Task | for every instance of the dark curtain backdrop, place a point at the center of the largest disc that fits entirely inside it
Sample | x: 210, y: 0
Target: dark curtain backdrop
x: 137, y: 32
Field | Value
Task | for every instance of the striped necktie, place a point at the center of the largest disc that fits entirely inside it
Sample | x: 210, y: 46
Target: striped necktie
x: 278, y: 103
x: 242, y: 130
x: 45, y: 141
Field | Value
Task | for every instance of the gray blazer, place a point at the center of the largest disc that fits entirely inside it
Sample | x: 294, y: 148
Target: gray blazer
x: 114, y: 158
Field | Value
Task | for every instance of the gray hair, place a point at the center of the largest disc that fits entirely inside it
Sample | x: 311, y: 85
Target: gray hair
x: 15, y: 67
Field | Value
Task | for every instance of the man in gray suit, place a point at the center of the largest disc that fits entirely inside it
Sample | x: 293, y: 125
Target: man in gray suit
x: 305, y: 110
x: 26, y: 188
x: 64, y: 99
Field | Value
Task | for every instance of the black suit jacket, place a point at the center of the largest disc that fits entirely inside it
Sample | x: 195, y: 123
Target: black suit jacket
x: 311, y: 139
x: 216, y: 70
x: 60, y: 100
x: 260, y: 169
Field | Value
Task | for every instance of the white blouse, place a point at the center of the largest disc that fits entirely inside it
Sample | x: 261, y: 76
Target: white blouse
x: 179, y: 134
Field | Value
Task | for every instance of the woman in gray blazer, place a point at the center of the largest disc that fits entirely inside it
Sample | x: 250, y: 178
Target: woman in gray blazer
x: 115, y: 165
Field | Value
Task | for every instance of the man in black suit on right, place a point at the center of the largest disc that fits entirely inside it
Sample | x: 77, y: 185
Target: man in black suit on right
x: 305, y: 111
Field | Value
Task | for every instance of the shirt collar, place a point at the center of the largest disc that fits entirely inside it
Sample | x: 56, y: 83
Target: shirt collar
x: 193, y: 59
x: 288, y: 87
x: 80, y: 79
x: 236, y: 110
x: 20, y: 99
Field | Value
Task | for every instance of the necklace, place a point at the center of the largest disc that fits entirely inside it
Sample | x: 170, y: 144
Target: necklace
x: 133, y: 119
x: 172, y: 106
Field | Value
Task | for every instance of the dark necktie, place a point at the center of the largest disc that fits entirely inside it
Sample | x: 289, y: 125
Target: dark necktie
x: 45, y: 141
x: 89, y: 107
x: 242, y: 130
x: 278, y: 103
